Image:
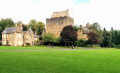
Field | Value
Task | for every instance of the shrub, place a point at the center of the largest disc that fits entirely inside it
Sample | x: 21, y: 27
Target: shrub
x: 112, y: 45
x: 81, y: 43
x: 118, y: 46
x: 0, y: 43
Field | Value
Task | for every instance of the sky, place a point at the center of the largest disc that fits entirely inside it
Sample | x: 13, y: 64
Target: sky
x: 105, y: 12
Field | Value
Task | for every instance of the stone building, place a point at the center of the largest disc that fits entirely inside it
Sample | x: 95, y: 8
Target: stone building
x: 15, y: 36
x: 57, y: 22
x: 83, y: 31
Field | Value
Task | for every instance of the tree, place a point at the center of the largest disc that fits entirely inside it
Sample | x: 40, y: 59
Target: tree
x: 106, y: 39
x: 92, y: 38
x: 37, y: 27
x: 97, y: 28
x: 48, y: 38
x: 5, y: 23
x: 68, y: 35
x: 40, y: 27
x: 33, y: 25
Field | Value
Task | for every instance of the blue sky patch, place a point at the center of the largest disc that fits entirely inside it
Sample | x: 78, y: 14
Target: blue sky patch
x: 82, y: 1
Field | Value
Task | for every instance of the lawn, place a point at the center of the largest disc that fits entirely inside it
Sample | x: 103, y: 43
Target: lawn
x: 61, y: 61
x: 26, y: 48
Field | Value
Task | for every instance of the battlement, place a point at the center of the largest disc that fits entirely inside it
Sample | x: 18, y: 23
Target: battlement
x: 60, y: 14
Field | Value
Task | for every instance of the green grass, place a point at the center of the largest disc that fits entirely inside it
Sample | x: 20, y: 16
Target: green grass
x: 60, y: 61
x: 26, y: 48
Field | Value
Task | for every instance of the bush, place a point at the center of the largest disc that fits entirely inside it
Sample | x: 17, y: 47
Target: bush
x: 81, y: 43
x: 118, y: 46
x: 112, y: 45
x: 0, y: 43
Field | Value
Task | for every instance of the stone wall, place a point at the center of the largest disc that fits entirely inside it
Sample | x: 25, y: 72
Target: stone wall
x: 55, y: 25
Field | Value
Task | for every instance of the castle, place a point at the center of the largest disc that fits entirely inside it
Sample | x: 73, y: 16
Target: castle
x: 57, y: 22
x: 15, y: 36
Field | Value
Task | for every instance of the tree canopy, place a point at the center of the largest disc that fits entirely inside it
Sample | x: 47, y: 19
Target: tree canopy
x: 68, y: 35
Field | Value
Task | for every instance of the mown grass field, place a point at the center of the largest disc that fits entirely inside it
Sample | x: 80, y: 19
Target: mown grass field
x: 60, y: 61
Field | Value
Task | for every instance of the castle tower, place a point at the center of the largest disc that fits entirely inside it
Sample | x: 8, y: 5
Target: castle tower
x: 57, y: 22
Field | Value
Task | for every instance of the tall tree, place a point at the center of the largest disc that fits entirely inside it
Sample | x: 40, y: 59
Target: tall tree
x: 33, y: 25
x: 68, y: 35
x: 40, y: 27
x: 37, y: 27
x: 97, y: 28
x: 107, y: 39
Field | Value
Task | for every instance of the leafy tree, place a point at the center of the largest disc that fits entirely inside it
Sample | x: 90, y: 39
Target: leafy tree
x: 40, y: 27
x: 5, y: 23
x: 68, y: 35
x: 33, y: 25
x: 48, y: 38
x: 37, y: 27
x: 92, y: 38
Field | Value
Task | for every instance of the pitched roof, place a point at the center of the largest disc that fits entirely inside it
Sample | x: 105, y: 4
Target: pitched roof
x: 60, y: 14
x: 9, y: 30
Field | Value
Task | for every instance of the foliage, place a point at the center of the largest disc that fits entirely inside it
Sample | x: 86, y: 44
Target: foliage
x: 92, y: 38
x: 57, y: 40
x: 48, y: 37
x: 68, y: 35
x: 81, y: 43
x: 36, y: 26
x: 0, y: 43
x: 76, y: 28
x: 107, y: 39
x: 40, y: 27
x: 118, y: 46
x: 115, y: 34
x: 97, y: 28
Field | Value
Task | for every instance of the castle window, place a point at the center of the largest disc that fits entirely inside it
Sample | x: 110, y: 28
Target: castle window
x: 19, y: 35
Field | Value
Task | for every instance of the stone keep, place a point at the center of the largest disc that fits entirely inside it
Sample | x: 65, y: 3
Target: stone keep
x: 57, y: 22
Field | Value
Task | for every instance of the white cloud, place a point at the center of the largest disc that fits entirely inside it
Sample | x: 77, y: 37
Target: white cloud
x: 105, y: 12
